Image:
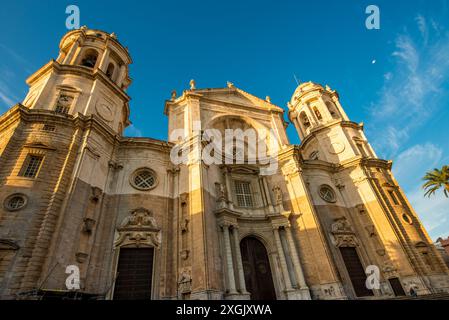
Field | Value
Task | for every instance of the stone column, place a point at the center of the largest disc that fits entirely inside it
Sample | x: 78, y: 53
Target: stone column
x: 299, y: 273
x: 325, y: 110
x: 104, y: 59
x: 228, y: 257
x: 238, y: 255
x: 69, y: 57
x: 284, y: 268
x: 121, y: 76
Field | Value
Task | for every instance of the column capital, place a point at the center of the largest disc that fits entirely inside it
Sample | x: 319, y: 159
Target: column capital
x: 173, y: 170
x: 277, y: 226
x: 225, y: 225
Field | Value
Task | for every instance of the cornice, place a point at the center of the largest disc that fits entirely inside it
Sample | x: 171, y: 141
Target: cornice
x: 290, y: 151
x: 54, y: 66
x: 20, y: 112
x: 201, y: 94
x: 319, y: 164
x: 83, y: 34
x: 354, y: 162
x: 146, y: 143
x: 314, y: 132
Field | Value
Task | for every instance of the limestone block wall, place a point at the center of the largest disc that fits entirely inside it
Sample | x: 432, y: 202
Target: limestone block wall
x: 32, y: 227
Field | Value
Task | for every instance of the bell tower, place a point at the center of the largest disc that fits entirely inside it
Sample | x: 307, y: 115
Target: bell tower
x: 89, y: 77
x: 323, y: 126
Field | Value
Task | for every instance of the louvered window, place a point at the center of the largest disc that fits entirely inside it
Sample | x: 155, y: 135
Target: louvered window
x: 243, y: 194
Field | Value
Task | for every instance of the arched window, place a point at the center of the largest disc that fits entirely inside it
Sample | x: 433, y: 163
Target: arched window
x: 304, y: 120
x: 317, y: 113
x: 331, y: 108
x: 90, y: 58
x: 110, y: 70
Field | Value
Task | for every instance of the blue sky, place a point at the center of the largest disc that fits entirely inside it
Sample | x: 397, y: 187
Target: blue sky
x: 260, y: 45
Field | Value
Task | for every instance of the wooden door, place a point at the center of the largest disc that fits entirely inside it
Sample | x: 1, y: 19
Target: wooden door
x: 258, y: 277
x: 397, y: 287
x: 355, y: 270
x: 135, y: 274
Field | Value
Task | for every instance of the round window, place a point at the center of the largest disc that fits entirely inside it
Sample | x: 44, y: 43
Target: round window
x: 15, y: 202
x: 144, y: 179
x: 407, y: 218
x: 327, y: 194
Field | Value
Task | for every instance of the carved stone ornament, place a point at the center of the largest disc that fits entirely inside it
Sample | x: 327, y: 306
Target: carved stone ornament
x: 184, y: 254
x: 341, y: 225
x: 96, y: 194
x: 81, y: 257
x: 185, y: 281
x: 361, y: 208
x: 389, y: 269
x: 185, y: 225
x: 277, y: 195
x: 88, y: 225
x: 139, y: 228
x: 371, y: 230
x: 222, y: 195
x: 342, y: 234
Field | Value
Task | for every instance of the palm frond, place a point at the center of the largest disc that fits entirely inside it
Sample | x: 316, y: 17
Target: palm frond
x: 435, y: 180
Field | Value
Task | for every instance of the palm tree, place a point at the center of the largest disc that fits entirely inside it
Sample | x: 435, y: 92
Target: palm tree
x: 435, y: 180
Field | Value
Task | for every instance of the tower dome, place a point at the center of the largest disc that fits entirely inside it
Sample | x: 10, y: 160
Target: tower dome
x: 97, y: 50
x: 89, y: 77
x: 313, y: 106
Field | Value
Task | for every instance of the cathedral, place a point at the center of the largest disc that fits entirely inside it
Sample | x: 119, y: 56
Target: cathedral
x: 330, y: 222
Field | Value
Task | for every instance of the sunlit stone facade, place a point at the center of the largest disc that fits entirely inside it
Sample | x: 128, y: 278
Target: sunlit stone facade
x: 75, y: 191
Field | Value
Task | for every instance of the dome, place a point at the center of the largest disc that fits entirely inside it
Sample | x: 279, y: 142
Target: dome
x: 96, y: 36
x: 303, y: 88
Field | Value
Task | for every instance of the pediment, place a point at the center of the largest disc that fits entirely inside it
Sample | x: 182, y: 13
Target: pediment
x: 237, y: 97
x: 38, y: 145
x: 241, y: 169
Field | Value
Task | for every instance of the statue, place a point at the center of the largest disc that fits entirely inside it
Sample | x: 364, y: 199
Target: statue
x: 221, y: 191
x: 277, y: 195
x: 192, y: 84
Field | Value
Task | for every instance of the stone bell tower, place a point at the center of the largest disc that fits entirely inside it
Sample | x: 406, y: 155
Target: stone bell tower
x: 358, y: 200
x: 58, y: 149
x: 89, y: 77
x: 324, y: 127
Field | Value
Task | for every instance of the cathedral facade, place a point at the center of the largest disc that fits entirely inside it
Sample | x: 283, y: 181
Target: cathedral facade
x: 75, y: 194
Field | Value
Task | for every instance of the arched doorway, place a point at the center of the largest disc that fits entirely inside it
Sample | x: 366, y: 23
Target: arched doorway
x: 258, y: 277
x: 137, y: 245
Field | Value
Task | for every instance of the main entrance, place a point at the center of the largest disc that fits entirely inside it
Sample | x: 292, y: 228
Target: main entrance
x: 355, y: 271
x: 134, y: 274
x: 258, y: 278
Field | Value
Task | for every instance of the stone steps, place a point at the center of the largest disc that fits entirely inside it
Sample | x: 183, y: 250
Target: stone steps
x: 433, y: 296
